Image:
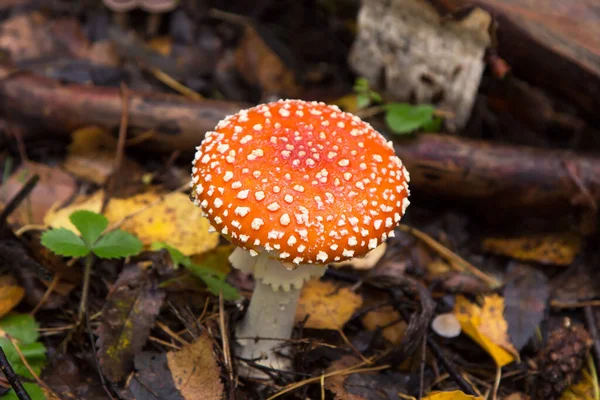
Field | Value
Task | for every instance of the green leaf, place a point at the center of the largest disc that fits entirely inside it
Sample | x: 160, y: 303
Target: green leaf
x: 376, y: 97
x: 23, y: 328
x: 361, y: 85
x: 90, y: 225
x: 179, y: 259
x: 32, y: 389
x: 64, y: 242
x: 215, y: 285
x: 117, y: 244
x: 405, y: 118
x: 362, y: 100
x: 435, y: 125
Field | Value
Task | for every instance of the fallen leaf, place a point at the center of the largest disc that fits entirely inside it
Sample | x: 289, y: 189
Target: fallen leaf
x: 11, y: 294
x: 453, y: 395
x: 216, y: 259
x: 555, y: 249
x: 153, y: 379
x: 174, y: 220
x: 582, y: 390
x: 259, y: 65
x: 525, y: 298
x: 368, y: 261
x: 59, y: 218
x: 55, y: 187
x: 487, y: 327
x: 69, y: 378
x: 91, y: 154
x: 195, y: 370
x: 517, y: 396
x: 129, y: 313
x: 327, y: 305
x: 384, y: 316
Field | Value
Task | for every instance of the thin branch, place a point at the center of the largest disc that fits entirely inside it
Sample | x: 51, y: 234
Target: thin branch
x: 12, y: 377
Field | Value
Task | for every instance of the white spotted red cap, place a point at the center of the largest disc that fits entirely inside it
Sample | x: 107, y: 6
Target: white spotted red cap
x: 304, y: 181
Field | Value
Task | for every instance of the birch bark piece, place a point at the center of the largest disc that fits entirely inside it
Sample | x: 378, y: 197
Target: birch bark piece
x: 405, y: 48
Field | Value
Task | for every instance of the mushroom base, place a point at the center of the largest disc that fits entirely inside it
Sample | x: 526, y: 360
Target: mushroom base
x: 263, y: 333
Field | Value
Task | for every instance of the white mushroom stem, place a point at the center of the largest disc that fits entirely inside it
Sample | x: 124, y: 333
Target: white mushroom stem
x: 263, y: 334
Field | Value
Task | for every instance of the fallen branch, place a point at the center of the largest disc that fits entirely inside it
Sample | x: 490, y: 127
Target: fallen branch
x: 45, y: 105
x: 489, y: 176
x: 498, y: 177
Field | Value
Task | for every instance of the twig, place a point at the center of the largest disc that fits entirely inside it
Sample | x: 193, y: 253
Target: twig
x: 15, y: 344
x: 422, y: 366
x: 12, y: 377
x: 169, y: 332
x: 47, y: 294
x: 174, y: 84
x: 594, y: 373
x: 455, y: 260
x: 18, y: 198
x: 225, y: 339
x: 164, y: 343
x: 349, y: 344
x: 355, y: 369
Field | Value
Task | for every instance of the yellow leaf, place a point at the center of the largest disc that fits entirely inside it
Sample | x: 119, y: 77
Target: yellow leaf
x: 383, y: 317
x: 347, y: 103
x: 216, y: 259
x: 59, y: 218
x: 554, y: 248
x: 582, y: 390
x: 195, y: 371
x: 453, y: 395
x: 11, y: 294
x: 161, y: 44
x: 487, y: 327
x: 173, y: 220
x: 326, y: 305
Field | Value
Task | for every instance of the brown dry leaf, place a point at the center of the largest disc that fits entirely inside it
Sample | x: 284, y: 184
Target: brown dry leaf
x: 195, y: 370
x: 55, y: 187
x: 486, y: 326
x: 173, y: 220
x: 517, y: 396
x: 327, y: 305
x: 553, y: 248
x: 11, y: 294
x: 131, y: 308
x: 91, y: 154
x: 161, y: 44
x: 259, y: 65
x: 383, y: 317
x: 453, y: 395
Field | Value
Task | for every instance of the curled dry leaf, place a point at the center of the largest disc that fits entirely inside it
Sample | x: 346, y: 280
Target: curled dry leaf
x: 195, y: 370
x: 554, y: 249
x: 486, y: 326
x: 326, y: 305
x: 127, y: 317
x: 153, y: 380
x: 91, y: 154
x: 368, y: 261
x: 55, y: 187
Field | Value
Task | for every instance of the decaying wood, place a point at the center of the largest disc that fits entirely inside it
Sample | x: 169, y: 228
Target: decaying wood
x: 554, y: 44
x: 46, y: 106
x: 407, y: 49
x: 500, y: 177
x: 484, y: 174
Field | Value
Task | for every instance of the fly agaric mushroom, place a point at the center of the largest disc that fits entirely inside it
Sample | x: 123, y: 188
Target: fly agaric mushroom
x: 295, y: 185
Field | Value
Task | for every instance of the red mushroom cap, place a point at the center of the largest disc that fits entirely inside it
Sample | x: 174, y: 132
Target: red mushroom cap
x: 302, y: 180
